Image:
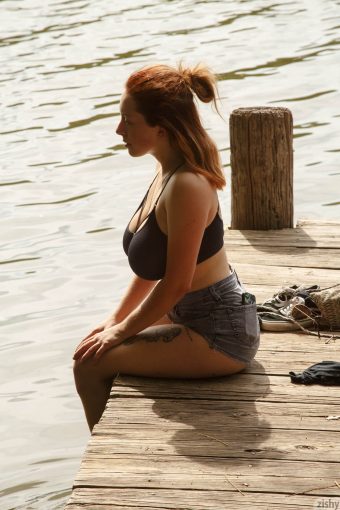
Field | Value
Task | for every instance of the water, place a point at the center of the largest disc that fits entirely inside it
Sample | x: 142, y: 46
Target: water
x: 68, y: 187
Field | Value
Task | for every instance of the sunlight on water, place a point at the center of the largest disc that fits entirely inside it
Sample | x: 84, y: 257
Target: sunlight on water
x: 68, y: 187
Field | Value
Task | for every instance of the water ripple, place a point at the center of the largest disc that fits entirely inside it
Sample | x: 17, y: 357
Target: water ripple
x: 64, y: 201
x: 100, y: 62
x: 305, y: 98
x: 2, y: 262
x: 20, y: 487
x: 85, y: 122
x: 227, y: 21
x: 332, y: 203
x: 95, y: 157
x: 21, y: 130
x: 14, y: 183
x: 6, y: 41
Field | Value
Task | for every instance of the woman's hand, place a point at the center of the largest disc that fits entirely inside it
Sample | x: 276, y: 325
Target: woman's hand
x: 95, y: 345
x: 104, y: 325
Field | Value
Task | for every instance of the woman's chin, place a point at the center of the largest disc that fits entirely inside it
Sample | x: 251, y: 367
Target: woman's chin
x: 133, y: 152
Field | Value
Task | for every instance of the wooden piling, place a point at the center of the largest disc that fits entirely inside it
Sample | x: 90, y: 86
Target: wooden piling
x: 262, y: 168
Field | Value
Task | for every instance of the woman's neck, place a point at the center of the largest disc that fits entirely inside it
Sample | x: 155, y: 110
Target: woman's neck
x: 167, y: 168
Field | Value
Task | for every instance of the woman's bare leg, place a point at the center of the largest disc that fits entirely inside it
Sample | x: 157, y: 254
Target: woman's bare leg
x: 162, y: 350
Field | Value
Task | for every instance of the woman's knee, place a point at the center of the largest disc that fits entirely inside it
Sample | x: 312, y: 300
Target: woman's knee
x: 85, y: 375
x: 88, y: 373
x: 81, y: 376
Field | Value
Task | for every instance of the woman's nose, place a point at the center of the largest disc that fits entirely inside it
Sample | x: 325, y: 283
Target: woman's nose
x: 120, y: 128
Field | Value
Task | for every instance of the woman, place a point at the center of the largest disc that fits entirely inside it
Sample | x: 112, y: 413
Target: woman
x: 185, y: 313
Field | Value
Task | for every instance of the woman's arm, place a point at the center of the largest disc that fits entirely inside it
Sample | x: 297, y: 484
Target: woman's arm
x: 187, y: 210
x: 134, y: 295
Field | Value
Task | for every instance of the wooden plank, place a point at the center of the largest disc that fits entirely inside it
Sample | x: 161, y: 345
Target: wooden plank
x: 311, y: 223
x: 273, y: 364
x: 221, y: 416
x: 214, y: 442
x: 173, y: 499
x: 308, y: 239
x: 273, y: 243
x: 286, y: 256
x: 181, y: 472
x: 313, y: 232
x: 254, y: 387
x: 279, y: 276
x: 296, y: 341
x: 301, y: 232
x: 197, y: 447
x: 252, y: 443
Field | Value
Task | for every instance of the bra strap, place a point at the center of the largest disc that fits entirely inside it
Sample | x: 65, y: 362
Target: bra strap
x: 168, y: 179
x: 141, y: 206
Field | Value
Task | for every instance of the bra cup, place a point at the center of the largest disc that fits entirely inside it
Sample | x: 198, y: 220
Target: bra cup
x: 147, y: 248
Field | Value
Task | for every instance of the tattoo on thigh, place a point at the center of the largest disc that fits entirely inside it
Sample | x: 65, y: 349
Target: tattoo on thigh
x: 162, y: 333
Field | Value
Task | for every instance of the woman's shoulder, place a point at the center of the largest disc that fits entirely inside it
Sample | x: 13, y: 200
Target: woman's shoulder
x: 186, y: 176
x: 190, y: 186
x: 189, y: 179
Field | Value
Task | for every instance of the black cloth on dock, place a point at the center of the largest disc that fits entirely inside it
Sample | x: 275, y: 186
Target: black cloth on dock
x: 325, y: 372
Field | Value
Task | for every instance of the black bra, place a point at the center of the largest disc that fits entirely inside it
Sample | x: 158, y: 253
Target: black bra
x: 146, y: 248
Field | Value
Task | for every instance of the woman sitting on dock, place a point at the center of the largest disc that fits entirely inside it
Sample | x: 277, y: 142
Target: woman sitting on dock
x: 185, y: 314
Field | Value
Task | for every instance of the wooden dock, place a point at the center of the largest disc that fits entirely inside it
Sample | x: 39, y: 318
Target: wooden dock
x: 250, y: 441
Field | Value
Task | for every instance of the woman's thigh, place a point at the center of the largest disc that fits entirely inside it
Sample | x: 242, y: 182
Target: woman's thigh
x: 163, y: 320
x: 163, y: 350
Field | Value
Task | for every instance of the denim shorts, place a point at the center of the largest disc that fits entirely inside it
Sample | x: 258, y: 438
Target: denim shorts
x: 218, y: 315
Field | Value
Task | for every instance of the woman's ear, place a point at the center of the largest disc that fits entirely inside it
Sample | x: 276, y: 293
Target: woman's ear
x: 161, y: 132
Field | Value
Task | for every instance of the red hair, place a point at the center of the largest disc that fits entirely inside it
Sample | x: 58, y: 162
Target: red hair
x: 165, y: 97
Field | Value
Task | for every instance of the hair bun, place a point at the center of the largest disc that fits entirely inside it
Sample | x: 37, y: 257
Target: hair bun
x: 201, y: 81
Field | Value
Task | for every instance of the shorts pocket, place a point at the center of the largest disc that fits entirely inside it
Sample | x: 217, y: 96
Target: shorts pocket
x: 202, y: 322
x: 188, y: 313
x: 239, y: 322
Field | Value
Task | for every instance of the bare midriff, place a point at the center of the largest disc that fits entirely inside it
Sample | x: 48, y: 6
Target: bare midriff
x: 211, y: 271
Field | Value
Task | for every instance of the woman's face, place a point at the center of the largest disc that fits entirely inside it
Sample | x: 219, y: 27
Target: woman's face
x: 139, y: 137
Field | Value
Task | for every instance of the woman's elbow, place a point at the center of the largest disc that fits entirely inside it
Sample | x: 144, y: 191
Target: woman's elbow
x: 177, y: 286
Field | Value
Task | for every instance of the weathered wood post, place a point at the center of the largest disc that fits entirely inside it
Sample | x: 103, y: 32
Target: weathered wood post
x: 261, y: 142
